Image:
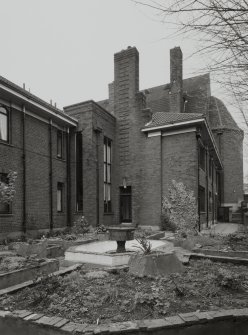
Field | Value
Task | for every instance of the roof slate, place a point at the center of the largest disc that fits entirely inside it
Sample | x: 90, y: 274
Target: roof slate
x: 161, y: 119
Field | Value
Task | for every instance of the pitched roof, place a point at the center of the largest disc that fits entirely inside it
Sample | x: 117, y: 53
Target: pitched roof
x: 7, y: 83
x: 220, y: 117
x: 162, y: 119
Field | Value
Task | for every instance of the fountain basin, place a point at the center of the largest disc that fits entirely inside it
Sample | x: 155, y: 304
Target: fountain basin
x: 104, y: 252
x: 121, y: 234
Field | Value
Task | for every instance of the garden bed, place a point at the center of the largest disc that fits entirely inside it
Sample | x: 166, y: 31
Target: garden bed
x: 17, y: 270
x: 87, y: 297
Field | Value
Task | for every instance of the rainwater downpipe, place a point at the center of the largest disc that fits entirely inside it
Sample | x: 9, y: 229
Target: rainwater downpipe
x: 24, y: 226
x: 68, y: 177
x: 161, y: 173
x: 198, y: 179
x: 51, y: 175
x: 97, y: 131
x: 207, y: 190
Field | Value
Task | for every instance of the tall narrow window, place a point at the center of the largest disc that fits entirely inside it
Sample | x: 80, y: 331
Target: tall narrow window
x: 60, y: 197
x: 202, y: 199
x: 210, y: 201
x: 210, y: 166
x: 4, y: 207
x: 202, y: 158
x: 4, y: 131
x: 59, y: 144
x: 107, y: 175
x: 79, y: 171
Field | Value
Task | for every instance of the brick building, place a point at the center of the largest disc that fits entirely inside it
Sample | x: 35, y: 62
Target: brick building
x: 113, y: 160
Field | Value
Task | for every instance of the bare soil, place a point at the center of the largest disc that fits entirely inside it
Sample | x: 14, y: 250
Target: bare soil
x: 12, y: 263
x: 85, y: 296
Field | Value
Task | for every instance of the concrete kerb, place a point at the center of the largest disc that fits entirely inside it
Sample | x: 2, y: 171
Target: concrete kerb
x: 182, y: 322
x: 223, y: 259
x: 20, y: 286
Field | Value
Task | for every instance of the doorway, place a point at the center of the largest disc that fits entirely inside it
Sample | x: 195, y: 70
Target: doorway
x: 126, y: 204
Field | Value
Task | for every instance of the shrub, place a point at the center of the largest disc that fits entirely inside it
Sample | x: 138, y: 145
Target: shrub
x: 7, y: 189
x: 180, y: 208
x: 81, y: 226
x: 166, y: 224
x: 229, y: 279
x: 101, y: 229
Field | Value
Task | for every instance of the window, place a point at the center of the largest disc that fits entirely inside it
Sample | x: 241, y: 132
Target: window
x: 202, y: 198
x: 210, y: 168
x: 79, y: 171
x: 107, y: 175
x: 4, y: 121
x: 4, y: 207
x: 202, y: 158
x: 59, y: 144
x: 210, y: 202
x: 60, y: 187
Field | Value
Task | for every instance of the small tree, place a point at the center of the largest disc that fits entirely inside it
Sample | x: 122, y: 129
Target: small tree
x: 181, y: 208
x: 81, y: 226
x: 7, y: 188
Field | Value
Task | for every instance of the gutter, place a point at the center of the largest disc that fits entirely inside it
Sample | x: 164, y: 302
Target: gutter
x: 69, y: 120
x: 177, y: 124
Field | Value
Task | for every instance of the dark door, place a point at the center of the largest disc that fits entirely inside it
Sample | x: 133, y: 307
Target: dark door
x: 126, y: 204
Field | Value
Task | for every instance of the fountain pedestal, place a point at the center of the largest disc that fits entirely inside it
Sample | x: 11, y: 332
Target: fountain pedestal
x: 121, y: 234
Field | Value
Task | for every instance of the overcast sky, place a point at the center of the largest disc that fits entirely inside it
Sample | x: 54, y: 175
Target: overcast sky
x: 63, y: 49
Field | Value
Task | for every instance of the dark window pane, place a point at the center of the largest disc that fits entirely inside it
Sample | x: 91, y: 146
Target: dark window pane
x: 3, y: 124
x: 202, y: 199
x: 202, y: 158
x: 107, y: 174
x: 79, y: 171
x: 59, y: 143
x: 59, y: 197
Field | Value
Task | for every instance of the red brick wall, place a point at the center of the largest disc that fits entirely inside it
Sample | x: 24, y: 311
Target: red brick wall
x: 92, y: 117
x: 37, y: 174
x: 180, y: 160
x: 232, y: 156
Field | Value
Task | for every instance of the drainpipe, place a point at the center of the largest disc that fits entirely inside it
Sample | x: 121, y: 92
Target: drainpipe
x: 24, y: 227
x: 68, y: 177
x: 213, y: 195
x: 198, y: 135
x: 161, y: 173
x: 97, y: 131
x: 51, y: 175
x: 207, y: 190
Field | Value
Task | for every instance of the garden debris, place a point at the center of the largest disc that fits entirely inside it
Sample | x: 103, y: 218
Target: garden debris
x: 97, y: 274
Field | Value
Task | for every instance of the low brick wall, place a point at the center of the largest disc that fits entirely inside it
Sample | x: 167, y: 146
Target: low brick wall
x: 20, y: 276
x: 228, y: 322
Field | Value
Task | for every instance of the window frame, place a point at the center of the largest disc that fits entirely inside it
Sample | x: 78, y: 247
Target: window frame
x: 107, y: 174
x: 202, y: 157
x: 79, y: 172
x: 7, y: 122
x: 202, y: 196
x: 8, y: 206
x: 59, y: 144
x: 60, y: 189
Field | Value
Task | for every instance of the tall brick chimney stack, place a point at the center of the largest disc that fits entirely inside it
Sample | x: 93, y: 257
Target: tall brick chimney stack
x: 126, y: 87
x: 176, y: 80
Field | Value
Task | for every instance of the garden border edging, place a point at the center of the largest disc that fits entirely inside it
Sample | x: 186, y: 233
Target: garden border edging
x: 234, y: 321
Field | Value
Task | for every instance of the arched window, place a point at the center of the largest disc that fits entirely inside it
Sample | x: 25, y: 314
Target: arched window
x: 4, y: 131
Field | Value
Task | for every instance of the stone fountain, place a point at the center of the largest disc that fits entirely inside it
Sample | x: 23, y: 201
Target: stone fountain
x: 121, y: 234
x: 105, y: 252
